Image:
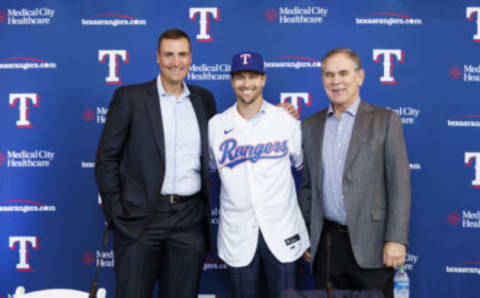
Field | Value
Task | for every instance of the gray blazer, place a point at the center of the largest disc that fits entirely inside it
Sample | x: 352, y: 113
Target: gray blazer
x: 376, y: 182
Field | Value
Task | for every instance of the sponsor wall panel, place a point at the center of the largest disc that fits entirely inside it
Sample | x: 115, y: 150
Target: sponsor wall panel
x: 61, y: 62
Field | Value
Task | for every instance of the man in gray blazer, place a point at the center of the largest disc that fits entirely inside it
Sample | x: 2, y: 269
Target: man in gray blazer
x: 355, y: 193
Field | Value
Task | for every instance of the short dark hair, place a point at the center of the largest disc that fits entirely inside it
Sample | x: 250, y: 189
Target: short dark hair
x: 173, y: 33
x: 348, y: 52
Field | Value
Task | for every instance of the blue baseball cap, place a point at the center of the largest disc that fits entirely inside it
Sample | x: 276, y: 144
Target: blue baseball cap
x: 247, y: 61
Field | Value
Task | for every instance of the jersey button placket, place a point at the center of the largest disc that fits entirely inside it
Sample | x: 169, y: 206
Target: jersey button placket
x: 253, y: 180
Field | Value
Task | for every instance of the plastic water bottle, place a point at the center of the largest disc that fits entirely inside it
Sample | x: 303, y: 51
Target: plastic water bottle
x: 401, y: 284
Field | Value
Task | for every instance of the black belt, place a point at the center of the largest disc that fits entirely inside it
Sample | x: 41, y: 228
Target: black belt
x: 332, y: 225
x: 173, y: 199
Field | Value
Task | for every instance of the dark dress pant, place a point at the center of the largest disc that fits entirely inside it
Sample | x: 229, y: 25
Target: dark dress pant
x: 171, y: 251
x: 278, y: 276
x: 335, y: 266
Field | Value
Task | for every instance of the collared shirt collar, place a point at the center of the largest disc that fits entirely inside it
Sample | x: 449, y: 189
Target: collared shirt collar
x: 263, y: 109
x: 352, y: 110
x: 161, y: 91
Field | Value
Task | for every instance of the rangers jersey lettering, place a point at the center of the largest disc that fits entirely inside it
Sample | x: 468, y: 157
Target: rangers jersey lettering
x: 234, y: 154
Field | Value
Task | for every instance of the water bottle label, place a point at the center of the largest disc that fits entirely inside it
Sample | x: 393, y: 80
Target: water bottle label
x: 401, y: 286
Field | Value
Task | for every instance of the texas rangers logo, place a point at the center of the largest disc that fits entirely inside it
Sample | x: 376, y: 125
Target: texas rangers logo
x: 471, y: 11
x: 22, y: 99
x: 203, y: 13
x: 469, y: 158
x: 21, y: 243
x: 234, y: 154
x: 113, y: 78
x: 295, y: 98
x: 245, y: 57
x: 388, y: 54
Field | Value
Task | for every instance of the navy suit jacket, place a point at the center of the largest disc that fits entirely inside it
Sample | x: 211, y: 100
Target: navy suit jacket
x: 130, y: 160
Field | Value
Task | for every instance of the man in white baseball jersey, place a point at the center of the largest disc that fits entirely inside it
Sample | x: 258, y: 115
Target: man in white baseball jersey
x: 253, y: 146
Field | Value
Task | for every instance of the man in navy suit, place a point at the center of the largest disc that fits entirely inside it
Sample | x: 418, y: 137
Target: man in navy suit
x: 152, y: 172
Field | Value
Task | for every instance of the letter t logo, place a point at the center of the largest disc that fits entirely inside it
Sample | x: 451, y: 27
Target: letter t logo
x: 471, y: 11
x: 23, y: 250
x: 203, y: 12
x: 296, y: 98
x: 245, y: 58
x: 23, y: 106
x: 469, y: 157
x: 113, y: 78
x: 388, y: 54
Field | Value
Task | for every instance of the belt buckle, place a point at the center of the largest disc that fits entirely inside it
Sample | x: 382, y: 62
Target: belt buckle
x: 172, y: 199
x: 342, y: 228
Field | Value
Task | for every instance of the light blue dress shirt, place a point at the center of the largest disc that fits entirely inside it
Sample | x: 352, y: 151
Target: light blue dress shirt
x: 336, y: 140
x: 256, y: 118
x: 182, y: 143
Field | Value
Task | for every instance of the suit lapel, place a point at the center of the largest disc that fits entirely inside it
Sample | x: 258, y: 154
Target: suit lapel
x: 317, y: 143
x: 359, y: 133
x: 201, y: 118
x: 155, y: 114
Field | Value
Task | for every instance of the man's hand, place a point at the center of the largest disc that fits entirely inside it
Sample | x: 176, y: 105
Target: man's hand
x: 307, y: 255
x: 394, y: 254
x: 290, y: 109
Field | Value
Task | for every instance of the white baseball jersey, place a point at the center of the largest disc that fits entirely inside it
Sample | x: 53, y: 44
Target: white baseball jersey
x: 254, y: 160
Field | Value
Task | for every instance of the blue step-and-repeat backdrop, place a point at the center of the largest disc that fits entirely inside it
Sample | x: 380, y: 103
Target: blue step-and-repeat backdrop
x: 60, y: 62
